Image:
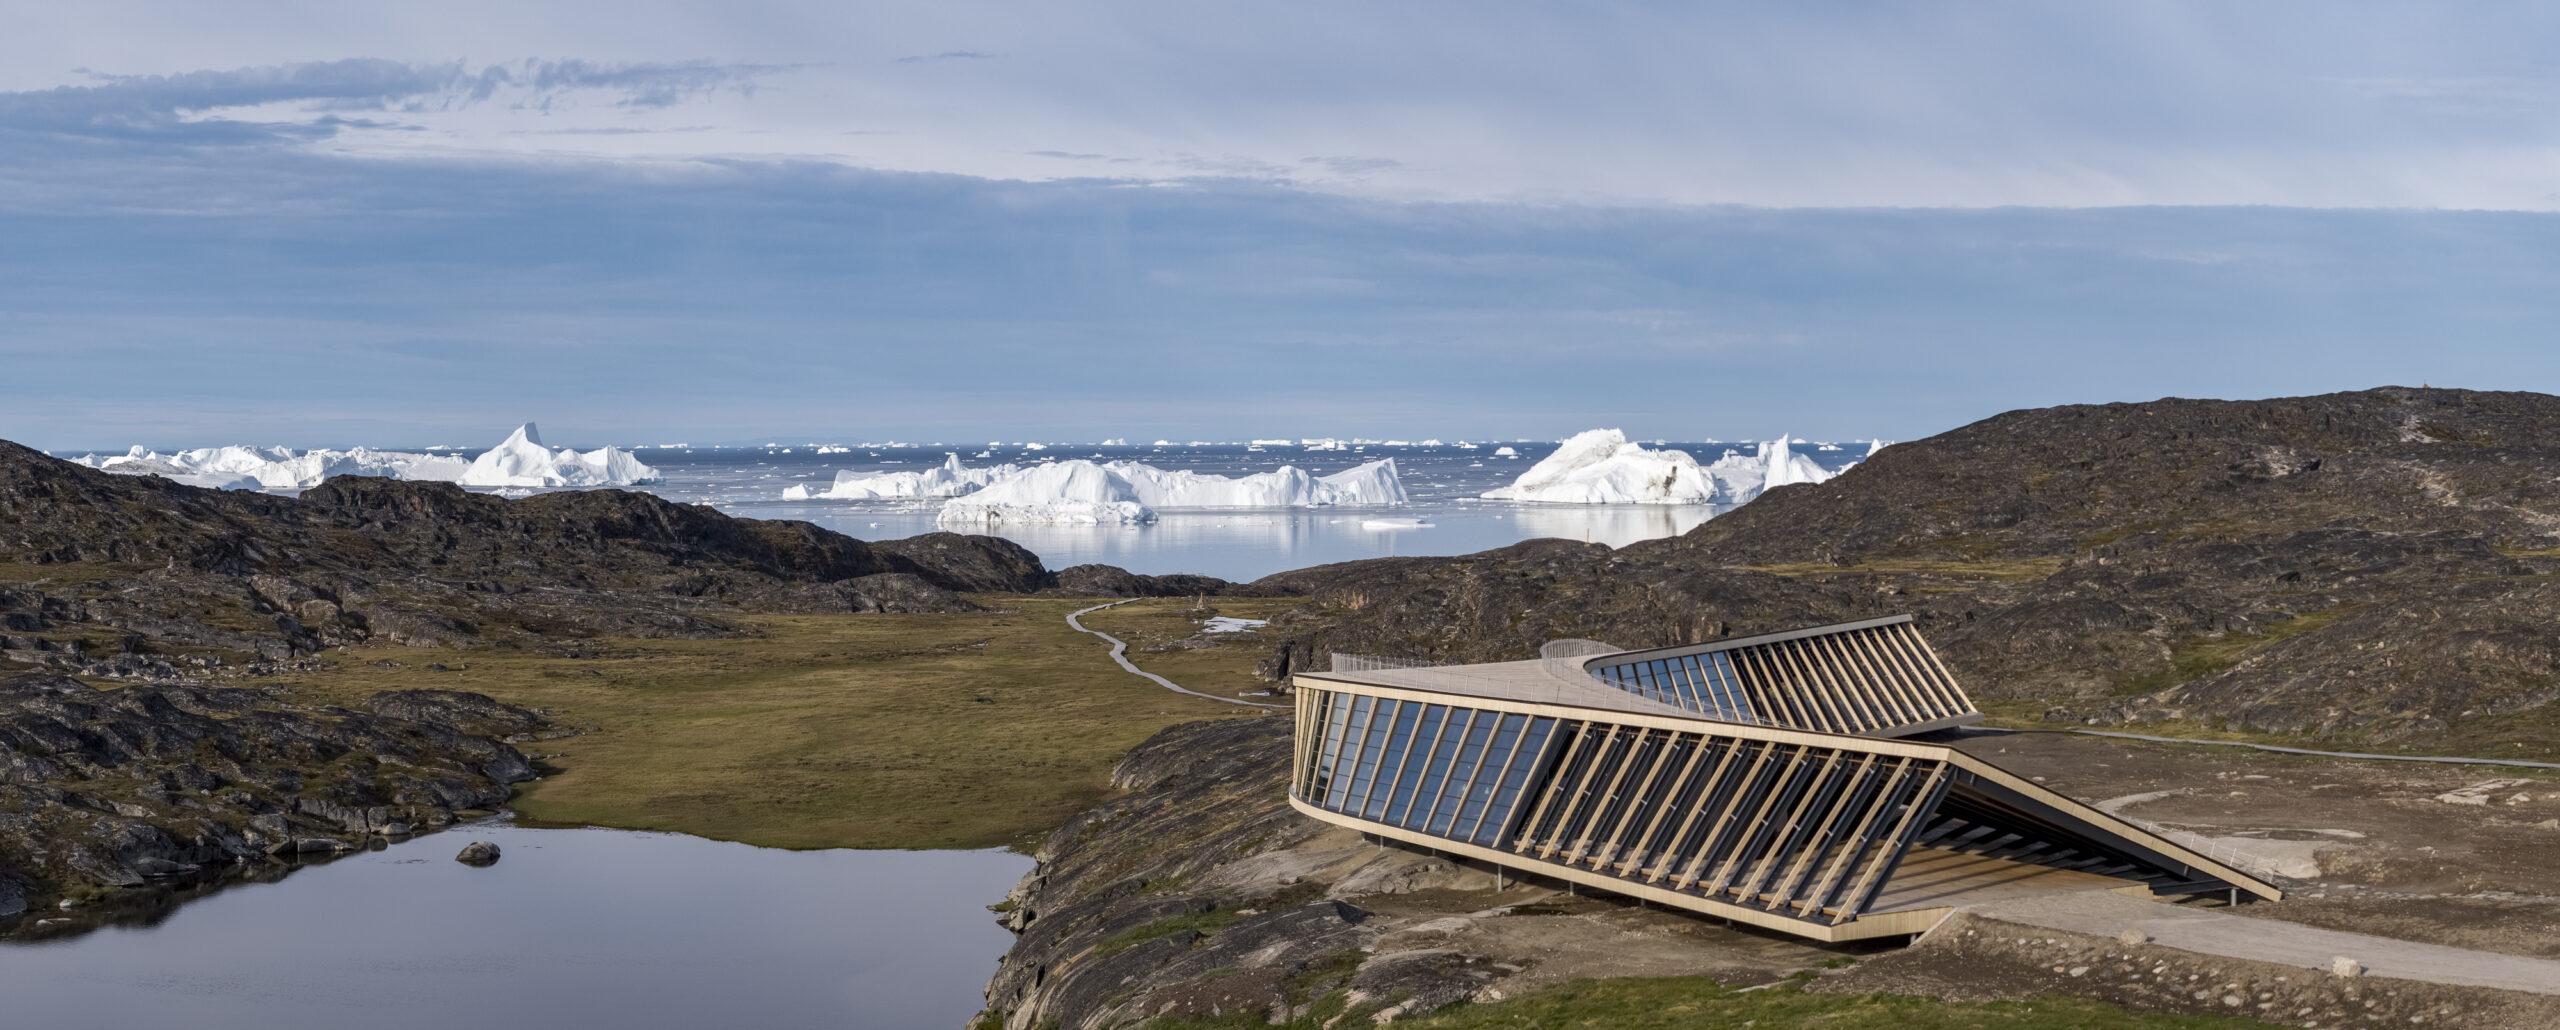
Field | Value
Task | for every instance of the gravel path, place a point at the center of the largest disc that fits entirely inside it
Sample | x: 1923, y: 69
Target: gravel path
x: 1120, y: 654
x: 2220, y: 932
x: 2518, y: 763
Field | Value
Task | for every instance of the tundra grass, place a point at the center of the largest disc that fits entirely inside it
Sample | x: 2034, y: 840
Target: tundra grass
x: 1689, y: 1003
x: 871, y: 731
x: 1165, y: 638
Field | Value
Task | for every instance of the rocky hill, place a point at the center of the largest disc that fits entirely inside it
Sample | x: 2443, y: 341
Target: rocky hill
x: 2376, y: 566
x: 139, y: 577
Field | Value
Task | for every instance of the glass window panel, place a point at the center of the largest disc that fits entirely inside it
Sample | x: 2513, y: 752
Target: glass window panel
x: 1355, y: 725
x: 1391, y: 759
x: 1470, y: 755
x: 1427, y: 793
x: 1417, y: 764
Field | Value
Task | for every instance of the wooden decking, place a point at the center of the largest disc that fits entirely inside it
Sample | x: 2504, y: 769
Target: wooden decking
x: 1931, y: 877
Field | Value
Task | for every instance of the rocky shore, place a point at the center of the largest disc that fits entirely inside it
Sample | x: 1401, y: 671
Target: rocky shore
x: 1199, y: 893
x: 149, y: 785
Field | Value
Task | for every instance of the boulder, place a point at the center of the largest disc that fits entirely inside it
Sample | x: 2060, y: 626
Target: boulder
x: 478, y: 852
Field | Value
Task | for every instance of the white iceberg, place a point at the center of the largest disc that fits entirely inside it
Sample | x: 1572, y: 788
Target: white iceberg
x: 1784, y: 467
x: 949, y: 479
x: 1081, y: 491
x: 522, y: 461
x: 1602, y: 467
x: 1070, y: 492
x: 1505, y: 452
x: 240, y: 467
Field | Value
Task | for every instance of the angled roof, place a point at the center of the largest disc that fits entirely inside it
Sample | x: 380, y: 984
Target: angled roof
x: 1713, y: 777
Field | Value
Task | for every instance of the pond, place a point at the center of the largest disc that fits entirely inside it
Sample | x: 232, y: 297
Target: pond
x: 571, y: 927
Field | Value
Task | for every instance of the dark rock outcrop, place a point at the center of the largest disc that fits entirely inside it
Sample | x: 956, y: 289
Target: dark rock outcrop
x: 2373, y: 566
x: 1113, y: 581
x: 142, y: 784
x: 140, y: 578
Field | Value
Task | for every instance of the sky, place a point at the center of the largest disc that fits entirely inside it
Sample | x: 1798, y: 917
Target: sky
x: 330, y: 224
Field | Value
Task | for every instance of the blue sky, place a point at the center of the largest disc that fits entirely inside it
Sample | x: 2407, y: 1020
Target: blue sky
x: 295, y: 224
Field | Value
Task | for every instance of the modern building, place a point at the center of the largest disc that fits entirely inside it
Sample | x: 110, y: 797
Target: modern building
x: 1761, y: 779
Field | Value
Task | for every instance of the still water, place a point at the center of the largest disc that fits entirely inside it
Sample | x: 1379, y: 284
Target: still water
x: 1241, y: 545
x: 572, y: 927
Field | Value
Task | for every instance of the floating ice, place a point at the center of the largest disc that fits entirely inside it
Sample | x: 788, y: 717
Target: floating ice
x: 522, y: 461
x: 1505, y: 452
x: 1072, y: 492
x: 949, y: 479
x: 1394, y: 524
x: 1082, y: 491
x: 275, y: 468
x: 519, y: 462
x: 1602, y: 467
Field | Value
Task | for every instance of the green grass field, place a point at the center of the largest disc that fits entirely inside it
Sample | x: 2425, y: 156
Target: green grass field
x: 868, y: 731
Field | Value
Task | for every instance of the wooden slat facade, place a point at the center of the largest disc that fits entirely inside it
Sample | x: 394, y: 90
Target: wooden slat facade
x: 1783, y: 826
x: 1876, y: 678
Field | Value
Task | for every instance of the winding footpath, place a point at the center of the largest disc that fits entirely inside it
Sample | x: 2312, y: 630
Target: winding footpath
x: 2517, y: 763
x: 1120, y: 654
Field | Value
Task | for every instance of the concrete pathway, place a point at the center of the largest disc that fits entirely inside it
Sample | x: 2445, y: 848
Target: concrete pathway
x: 1120, y: 654
x: 2223, y: 932
x: 2282, y: 750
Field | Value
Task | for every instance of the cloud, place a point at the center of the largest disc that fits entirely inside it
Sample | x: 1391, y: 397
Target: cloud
x: 947, y: 55
x: 185, y: 107
x: 725, y: 299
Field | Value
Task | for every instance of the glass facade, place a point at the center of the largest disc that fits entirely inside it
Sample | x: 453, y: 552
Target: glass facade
x: 1703, y: 683
x: 1864, y: 679
x: 1798, y: 829
x: 1449, y: 771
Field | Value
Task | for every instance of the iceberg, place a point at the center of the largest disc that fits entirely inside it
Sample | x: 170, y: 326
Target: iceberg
x: 522, y: 461
x: 949, y: 479
x: 275, y: 468
x: 1086, y: 492
x: 1070, y: 492
x: 1505, y: 452
x: 1602, y: 467
x: 1787, y: 468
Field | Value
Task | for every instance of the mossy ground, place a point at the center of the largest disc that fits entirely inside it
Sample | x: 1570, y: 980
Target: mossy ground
x: 872, y: 731
x: 1152, y: 624
x: 1686, y: 1003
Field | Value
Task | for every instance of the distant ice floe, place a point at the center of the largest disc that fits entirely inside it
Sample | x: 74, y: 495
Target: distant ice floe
x: 1505, y: 452
x: 1394, y: 524
x: 274, y: 468
x: 521, y: 461
x: 1601, y: 467
x: 1128, y: 493
x: 949, y: 479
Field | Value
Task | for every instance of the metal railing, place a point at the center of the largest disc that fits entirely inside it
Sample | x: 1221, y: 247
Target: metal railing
x: 1344, y: 661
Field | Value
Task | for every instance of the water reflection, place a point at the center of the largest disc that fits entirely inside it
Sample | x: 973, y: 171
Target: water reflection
x: 1245, y: 545
x: 573, y: 927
